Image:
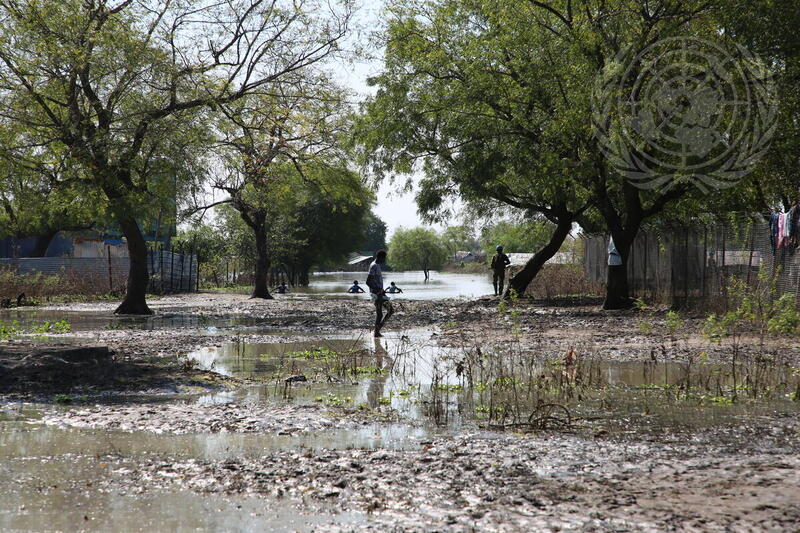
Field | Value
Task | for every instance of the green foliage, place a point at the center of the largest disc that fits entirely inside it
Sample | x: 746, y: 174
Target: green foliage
x: 673, y: 322
x: 416, y: 249
x: 460, y: 238
x: 522, y: 237
x: 316, y: 354
x: 374, y: 234
x: 9, y: 331
x: 760, y: 307
x: 333, y: 400
x: 61, y: 326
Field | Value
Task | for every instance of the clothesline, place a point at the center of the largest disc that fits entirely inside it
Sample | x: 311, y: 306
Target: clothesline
x: 784, y: 229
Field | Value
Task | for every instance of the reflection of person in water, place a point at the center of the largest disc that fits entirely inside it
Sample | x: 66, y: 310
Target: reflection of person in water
x: 378, y: 383
x: 356, y: 288
x: 393, y: 289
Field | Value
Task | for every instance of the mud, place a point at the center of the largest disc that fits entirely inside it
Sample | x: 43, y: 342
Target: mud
x: 183, y: 418
x: 219, y: 318
x: 149, y: 429
x: 512, y: 483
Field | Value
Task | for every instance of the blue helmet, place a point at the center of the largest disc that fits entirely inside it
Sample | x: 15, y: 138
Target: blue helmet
x: 499, y: 248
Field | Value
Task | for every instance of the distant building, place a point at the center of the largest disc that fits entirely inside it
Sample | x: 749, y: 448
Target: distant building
x: 466, y: 257
x: 358, y: 263
x: 560, y: 258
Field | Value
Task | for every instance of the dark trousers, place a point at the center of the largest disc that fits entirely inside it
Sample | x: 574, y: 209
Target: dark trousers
x: 498, y: 280
x: 380, y: 302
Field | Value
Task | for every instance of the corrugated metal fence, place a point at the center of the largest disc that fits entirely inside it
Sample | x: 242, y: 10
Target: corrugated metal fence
x: 695, y: 264
x: 169, y: 272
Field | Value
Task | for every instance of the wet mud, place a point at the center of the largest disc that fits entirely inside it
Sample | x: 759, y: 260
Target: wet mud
x: 286, y: 415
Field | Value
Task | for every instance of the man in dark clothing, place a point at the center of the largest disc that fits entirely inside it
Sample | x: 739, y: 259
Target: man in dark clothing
x: 499, y: 263
x: 378, y: 293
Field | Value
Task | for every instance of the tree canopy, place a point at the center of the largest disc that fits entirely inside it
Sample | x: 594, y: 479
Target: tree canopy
x: 416, y: 249
x: 119, y: 86
x: 494, y: 100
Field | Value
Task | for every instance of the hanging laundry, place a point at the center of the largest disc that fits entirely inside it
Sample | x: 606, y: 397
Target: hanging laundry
x: 773, y: 231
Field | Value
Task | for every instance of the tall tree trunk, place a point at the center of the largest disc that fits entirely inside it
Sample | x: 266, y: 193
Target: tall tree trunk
x: 617, y: 290
x: 303, y: 277
x: 43, y: 241
x: 522, y: 279
x: 138, y: 276
x: 617, y: 293
x: 261, y: 289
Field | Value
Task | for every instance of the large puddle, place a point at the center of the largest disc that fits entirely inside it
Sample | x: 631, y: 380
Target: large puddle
x: 59, y: 477
x: 409, y: 374
x: 71, y: 493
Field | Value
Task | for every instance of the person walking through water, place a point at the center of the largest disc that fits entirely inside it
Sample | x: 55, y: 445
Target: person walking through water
x: 393, y: 288
x: 377, y: 293
x: 499, y: 263
x: 356, y: 288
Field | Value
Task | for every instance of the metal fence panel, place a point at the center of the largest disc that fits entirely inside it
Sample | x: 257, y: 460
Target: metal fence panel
x: 696, y: 264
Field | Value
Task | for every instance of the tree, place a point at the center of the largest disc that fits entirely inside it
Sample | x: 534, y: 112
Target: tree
x: 459, y: 238
x: 769, y: 29
x: 493, y: 100
x: 375, y: 234
x: 521, y: 237
x: 32, y: 204
x: 113, y: 85
x: 276, y: 144
x: 329, y: 226
x: 416, y: 248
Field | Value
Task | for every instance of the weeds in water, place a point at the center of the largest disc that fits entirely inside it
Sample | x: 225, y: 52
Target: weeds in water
x: 9, y: 331
x: 61, y: 326
x: 333, y: 400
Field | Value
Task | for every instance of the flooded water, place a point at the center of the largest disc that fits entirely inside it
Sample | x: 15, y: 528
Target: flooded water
x: 28, y: 318
x: 441, y: 285
x: 61, y: 483
x: 397, y: 372
x: 408, y: 373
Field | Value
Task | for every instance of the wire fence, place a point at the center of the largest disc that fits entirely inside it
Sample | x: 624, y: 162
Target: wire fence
x: 172, y: 271
x: 695, y: 265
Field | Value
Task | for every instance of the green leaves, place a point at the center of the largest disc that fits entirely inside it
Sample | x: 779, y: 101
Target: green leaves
x: 416, y: 249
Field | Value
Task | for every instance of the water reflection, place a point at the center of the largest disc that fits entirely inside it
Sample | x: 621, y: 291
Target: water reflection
x: 408, y: 373
x: 441, y: 285
x: 65, y: 494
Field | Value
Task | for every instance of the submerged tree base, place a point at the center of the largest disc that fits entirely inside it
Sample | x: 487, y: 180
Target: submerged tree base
x: 261, y: 295
x: 133, y: 308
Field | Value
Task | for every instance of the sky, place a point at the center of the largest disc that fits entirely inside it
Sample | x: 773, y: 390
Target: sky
x: 394, y: 208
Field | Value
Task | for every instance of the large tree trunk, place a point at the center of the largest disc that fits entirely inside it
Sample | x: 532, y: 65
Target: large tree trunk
x: 303, y: 277
x: 519, y: 283
x: 43, y: 243
x: 617, y: 292
x: 138, y: 276
x: 261, y: 289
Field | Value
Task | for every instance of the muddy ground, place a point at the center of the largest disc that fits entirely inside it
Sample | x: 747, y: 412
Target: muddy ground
x: 608, y: 335
x: 741, y: 474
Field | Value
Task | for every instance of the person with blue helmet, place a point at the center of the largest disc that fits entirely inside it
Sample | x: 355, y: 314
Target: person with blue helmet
x: 500, y: 262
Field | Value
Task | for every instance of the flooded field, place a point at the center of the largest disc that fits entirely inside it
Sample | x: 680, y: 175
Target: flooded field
x: 548, y: 420
x: 441, y: 285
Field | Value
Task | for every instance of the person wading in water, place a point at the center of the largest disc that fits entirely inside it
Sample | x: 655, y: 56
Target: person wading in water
x: 378, y: 293
x: 499, y: 263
